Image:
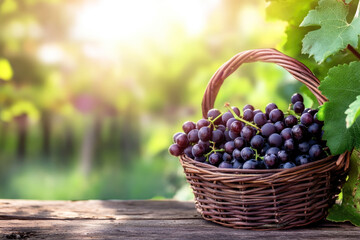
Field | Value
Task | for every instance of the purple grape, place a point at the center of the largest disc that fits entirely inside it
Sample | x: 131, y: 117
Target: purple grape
x: 200, y: 159
x: 227, y: 136
x: 204, y: 134
x: 188, y: 126
x: 296, y: 97
x: 226, y: 157
x: 175, y: 150
x: 264, y: 149
x: 226, y: 116
x: 283, y: 156
x: 233, y: 135
x: 298, y: 131
x: 289, y: 145
x: 221, y: 127
x: 316, y: 152
x: 314, y: 129
x: 250, y: 164
x: 306, y: 119
x: 229, y: 147
x: 302, y: 159
x: 288, y: 165
x: 229, y: 122
x: 248, y: 106
x: 304, y: 147
x: 275, y: 140
x: 257, y: 142
x: 182, y: 140
x: 202, y: 123
x: 248, y: 115
x: 290, y: 121
x: 268, y: 129
x: 236, y: 126
x: 225, y: 164
x: 188, y: 152
x: 214, y: 113
x: 316, y: 120
x: 247, y: 153
x: 175, y: 136
x: 256, y: 111
x: 236, y: 154
x: 298, y: 107
x: 270, y: 160
x: 280, y: 125
x: 236, y: 164
x: 286, y: 133
x: 260, y: 119
x: 206, y: 145
x: 269, y: 108
x: 215, y: 159
x: 217, y: 136
x: 236, y: 110
x: 239, y: 142
x: 198, y: 150
x: 193, y: 136
x: 247, y: 133
x: 273, y: 150
x: 276, y: 115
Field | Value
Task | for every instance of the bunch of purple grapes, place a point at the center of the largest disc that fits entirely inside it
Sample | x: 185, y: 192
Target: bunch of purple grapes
x: 255, y: 139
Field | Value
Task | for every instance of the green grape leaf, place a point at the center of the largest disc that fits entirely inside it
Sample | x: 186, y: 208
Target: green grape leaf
x: 335, y: 32
x: 353, y: 112
x: 341, y: 87
x: 349, y: 209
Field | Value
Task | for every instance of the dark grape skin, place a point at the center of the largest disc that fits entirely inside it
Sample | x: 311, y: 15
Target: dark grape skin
x: 250, y: 164
x: 316, y: 120
x: 247, y: 133
x: 316, y: 152
x: 239, y: 142
x: 270, y: 160
x: 299, y: 131
x: 236, y: 154
x: 298, y: 107
x: 188, y: 126
x: 286, y: 133
x: 188, y: 152
x: 275, y: 140
x: 272, y: 150
x: 304, y: 147
x: 236, y: 110
x: 256, y: 111
x: 248, y: 106
x: 269, y: 108
x: 289, y: 144
x: 233, y: 135
x: 175, y: 150
x: 265, y: 148
x: 279, y: 125
x: 200, y: 159
x: 226, y: 116
x: 217, y: 136
x: 283, y: 156
x: 227, y: 136
x: 198, y: 150
x: 175, y: 136
x: 302, y: 159
x: 296, y: 97
x: 225, y: 164
x: 182, y: 140
x: 306, y: 119
x: 193, y: 136
x: 236, y: 126
x: 248, y: 115
x: 288, y: 165
x: 268, y: 129
x: 204, y: 134
x: 236, y: 164
x: 214, y: 113
x: 260, y: 119
x: 221, y: 127
x: 276, y: 115
x: 257, y: 142
x: 314, y: 129
x: 247, y: 153
x: 290, y: 121
x: 202, y: 123
x: 215, y: 158
x: 229, y: 147
x: 229, y: 122
x: 227, y: 157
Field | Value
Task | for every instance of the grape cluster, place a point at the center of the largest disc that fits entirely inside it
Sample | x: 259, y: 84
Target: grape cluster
x: 255, y: 139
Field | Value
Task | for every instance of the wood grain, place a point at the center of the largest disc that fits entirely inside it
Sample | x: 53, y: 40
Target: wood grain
x: 94, y: 219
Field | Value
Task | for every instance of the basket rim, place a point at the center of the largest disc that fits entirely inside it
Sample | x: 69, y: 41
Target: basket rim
x: 210, y: 169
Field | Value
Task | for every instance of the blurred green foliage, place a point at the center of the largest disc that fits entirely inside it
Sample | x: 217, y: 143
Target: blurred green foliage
x: 79, y: 121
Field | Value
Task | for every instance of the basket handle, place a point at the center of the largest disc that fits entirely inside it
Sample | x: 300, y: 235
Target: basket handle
x: 293, y: 66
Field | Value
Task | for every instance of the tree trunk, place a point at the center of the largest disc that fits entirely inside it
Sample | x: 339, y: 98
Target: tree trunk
x: 22, y: 123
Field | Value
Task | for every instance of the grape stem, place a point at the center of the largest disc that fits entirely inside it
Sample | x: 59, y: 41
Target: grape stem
x: 227, y: 105
x: 256, y: 154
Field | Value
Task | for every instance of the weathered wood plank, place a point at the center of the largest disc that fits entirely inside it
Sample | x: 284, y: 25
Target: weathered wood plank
x: 29, y: 219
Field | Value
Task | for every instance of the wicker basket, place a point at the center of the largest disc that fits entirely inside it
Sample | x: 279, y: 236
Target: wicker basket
x: 265, y: 199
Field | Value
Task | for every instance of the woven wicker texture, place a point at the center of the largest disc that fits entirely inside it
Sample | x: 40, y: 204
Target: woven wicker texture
x: 265, y: 199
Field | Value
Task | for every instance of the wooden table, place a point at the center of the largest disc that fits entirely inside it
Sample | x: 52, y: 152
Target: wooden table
x: 31, y: 219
